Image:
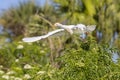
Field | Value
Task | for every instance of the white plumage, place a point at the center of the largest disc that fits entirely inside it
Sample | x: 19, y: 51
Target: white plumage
x: 52, y: 33
x: 72, y: 29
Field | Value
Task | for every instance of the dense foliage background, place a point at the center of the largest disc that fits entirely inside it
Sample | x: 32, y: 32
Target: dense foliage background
x: 60, y: 58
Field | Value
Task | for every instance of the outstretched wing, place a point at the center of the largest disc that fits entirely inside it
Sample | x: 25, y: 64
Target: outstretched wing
x: 57, y: 32
x: 90, y: 28
x: 33, y: 39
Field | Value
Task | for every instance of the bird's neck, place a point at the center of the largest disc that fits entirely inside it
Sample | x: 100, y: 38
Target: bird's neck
x: 61, y: 26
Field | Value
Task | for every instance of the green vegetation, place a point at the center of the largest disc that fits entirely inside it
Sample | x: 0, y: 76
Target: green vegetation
x: 81, y: 61
x: 61, y: 58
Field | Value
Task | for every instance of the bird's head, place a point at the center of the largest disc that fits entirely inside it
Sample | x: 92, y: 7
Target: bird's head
x: 57, y: 24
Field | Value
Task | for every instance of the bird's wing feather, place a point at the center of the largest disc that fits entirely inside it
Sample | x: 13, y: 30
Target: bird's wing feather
x: 57, y: 32
x: 33, y: 39
x: 79, y: 29
x: 91, y: 28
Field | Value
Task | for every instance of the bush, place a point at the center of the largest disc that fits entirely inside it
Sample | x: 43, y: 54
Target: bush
x: 87, y: 60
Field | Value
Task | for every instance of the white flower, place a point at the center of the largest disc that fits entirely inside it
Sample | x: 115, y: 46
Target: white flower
x: 27, y: 76
x: 42, y: 51
x: 17, y: 78
x: 1, y: 72
x: 43, y: 44
x: 17, y: 60
x: 6, y: 77
x: 41, y: 72
x: 20, y: 47
x: 12, y: 77
x: 10, y: 72
x: 27, y: 66
x: 20, y: 42
x: 29, y: 43
x: 52, y: 71
x: 1, y: 66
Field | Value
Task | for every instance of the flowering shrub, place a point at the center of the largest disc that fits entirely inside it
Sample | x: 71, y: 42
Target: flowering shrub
x: 84, y: 60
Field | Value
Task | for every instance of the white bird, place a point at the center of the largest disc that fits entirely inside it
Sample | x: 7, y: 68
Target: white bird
x: 72, y: 29
x: 79, y: 28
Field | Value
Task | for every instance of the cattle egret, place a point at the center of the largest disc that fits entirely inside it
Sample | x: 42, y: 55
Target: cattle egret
x: 72, y: 29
